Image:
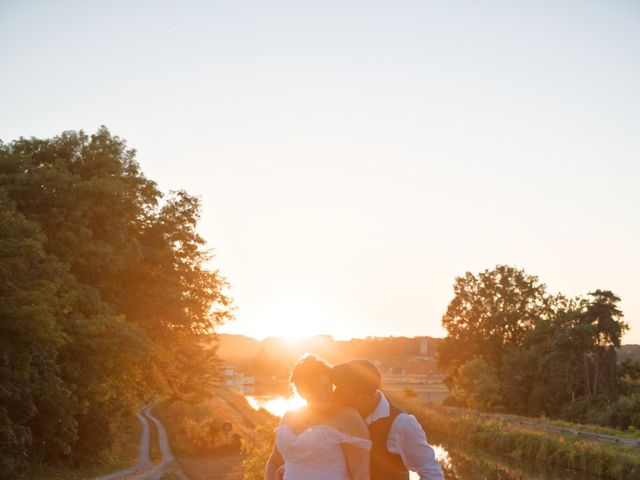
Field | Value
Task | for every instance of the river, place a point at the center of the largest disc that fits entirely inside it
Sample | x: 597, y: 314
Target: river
x: 458, y: 462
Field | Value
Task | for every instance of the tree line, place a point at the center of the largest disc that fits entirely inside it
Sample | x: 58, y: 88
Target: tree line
x: 514, y: 347
x: 105, y: 299
x: 275, y: 356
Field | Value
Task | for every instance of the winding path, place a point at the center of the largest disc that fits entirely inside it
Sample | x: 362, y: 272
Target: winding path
x: 145, y: 469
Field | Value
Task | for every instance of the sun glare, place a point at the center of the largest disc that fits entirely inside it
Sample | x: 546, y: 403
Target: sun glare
x: 278, y: 405
x: 292, y: 340
x: 298, y: 318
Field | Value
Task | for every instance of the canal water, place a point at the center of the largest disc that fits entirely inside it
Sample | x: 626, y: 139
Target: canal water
x: 459, y: 462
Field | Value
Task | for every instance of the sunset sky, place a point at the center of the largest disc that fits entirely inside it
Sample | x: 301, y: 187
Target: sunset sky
x: 354, y: 157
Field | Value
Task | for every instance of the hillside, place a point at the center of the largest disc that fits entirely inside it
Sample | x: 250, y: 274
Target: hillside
x: 629, y: 351
x: 237, y: 350
x: 274, y: 356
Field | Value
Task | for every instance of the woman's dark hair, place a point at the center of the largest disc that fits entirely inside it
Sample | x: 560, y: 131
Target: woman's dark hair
x: 308, y: 369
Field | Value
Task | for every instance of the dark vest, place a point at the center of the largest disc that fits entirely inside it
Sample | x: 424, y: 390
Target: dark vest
x: 384, y: 464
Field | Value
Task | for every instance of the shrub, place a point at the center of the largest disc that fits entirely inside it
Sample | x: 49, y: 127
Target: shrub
x: 256, y: 451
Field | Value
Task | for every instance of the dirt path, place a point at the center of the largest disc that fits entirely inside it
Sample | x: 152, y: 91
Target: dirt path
x: 145, y: 469
x: 222, y: 465
x: 144, y: 455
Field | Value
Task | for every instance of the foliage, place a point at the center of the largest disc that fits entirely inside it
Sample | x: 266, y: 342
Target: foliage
x: 106, y: 300
x: 629, y: 376
x: 513, y: 347
x: 490, y: 312
x: 34, y: 292
x: 256, y: 452
x: 477, y: 385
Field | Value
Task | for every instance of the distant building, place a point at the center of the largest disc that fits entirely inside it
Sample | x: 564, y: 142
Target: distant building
x: 245, y: 384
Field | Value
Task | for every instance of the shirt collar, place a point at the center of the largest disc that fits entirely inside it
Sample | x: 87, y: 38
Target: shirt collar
x: 382, y: 410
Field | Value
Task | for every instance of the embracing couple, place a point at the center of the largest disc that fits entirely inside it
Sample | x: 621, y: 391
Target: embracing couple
x: 350, y: 433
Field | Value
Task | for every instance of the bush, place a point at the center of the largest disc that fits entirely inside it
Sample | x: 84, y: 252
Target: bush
x: 197, y: 429
x: 256, y: 451
x: 586, y: 410
x: 621, y: 414
x: 625, y: 412
x: 477, y: 385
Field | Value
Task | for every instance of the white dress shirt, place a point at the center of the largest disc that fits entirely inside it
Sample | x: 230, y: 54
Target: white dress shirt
x: 407, y: 439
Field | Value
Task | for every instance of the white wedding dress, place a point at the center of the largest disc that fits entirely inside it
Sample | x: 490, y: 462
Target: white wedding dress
x: 315, y: 453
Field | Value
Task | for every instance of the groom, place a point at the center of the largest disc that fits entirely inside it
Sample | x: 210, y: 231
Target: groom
x: 399, y: 443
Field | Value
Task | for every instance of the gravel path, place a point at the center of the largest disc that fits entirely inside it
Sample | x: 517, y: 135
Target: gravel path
x: 145, y: 469
x: 144, y: 455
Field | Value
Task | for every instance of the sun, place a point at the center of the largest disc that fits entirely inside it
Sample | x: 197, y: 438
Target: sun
x: 294, y: 320
x: 293, y: 340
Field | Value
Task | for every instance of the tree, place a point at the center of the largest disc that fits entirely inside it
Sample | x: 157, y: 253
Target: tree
x: 545, y: 352
x: 139, y: 300
x: 477, y: 385
x: 603, y: 326
x: 490, y: 312
x: 34, y: 290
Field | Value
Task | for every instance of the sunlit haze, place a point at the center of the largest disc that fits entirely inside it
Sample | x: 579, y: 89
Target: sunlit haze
x: 353, y: 158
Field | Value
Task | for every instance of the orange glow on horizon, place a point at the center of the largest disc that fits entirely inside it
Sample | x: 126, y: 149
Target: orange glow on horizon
x: 276, y: 405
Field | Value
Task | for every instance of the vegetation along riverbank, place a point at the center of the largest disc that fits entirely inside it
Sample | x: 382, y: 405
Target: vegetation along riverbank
x: 530, y: 444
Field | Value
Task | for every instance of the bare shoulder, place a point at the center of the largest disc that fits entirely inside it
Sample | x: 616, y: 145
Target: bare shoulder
x: 350, y: 421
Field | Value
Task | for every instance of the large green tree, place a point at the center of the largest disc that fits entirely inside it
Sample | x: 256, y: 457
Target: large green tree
x: 490, y: 312
x: 34, y: 293
x: 512, y: 346
x: 138, y: 299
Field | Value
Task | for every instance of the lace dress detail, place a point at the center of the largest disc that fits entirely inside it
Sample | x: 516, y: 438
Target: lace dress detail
x: 315, y: 453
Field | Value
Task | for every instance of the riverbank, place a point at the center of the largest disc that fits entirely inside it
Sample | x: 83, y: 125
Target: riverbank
x: 527, y: 444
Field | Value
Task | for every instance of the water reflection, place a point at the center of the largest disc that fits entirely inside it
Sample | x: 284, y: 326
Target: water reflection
x: 276, y: 405
x: 465, y: 463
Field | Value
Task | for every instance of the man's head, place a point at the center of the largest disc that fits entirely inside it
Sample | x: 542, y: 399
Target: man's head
x: 357, y: 384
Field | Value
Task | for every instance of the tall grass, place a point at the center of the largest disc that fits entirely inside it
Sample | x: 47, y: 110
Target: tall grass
x: 256, y: 451
x: 528, y: 445
x: 198, y: 429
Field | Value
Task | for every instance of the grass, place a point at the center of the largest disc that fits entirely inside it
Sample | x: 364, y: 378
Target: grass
x: 631, y: 434
x: 543, y: 422
x: 430, y: 391
x: 527, y: 444
x: 240, y: 405
x: 200, y: 447
x: 198, y: 429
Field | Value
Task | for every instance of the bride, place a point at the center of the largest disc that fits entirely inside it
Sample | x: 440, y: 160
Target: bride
x: 323, y: 440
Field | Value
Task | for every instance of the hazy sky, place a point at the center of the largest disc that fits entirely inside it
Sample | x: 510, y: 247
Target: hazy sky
x: 354, y: 157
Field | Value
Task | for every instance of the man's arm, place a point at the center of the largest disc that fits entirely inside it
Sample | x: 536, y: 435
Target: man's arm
x: 416, y: 453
